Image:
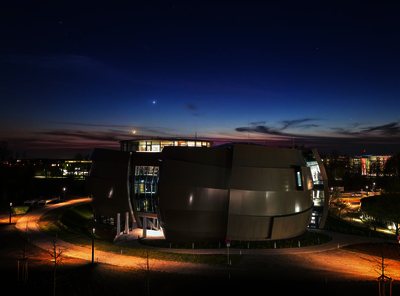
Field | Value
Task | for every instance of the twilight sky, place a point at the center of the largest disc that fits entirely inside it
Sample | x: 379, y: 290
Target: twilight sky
x: 76, y: 77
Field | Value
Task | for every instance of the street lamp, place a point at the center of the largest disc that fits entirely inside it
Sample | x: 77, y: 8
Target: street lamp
x: 10, y: 211
x: 64, y: 192
x: 366, y: 188
x: 93, y: 244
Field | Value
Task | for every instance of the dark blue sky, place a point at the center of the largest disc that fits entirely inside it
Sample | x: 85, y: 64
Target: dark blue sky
x: 75, y: 77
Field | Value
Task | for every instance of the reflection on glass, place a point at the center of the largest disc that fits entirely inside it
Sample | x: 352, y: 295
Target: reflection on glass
x: 145, y: 185
x: 315, y: 172
x: 318, y: 197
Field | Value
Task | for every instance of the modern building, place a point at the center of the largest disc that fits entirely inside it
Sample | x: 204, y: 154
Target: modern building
x: 196, y: 192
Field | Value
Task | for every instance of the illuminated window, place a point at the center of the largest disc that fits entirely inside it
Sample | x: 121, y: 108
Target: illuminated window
x: 298, y: 179
x: 142, y: 146
x: 198, y: 144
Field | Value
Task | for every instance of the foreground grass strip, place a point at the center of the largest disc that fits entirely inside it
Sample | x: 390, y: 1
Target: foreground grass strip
x: 307, y: 239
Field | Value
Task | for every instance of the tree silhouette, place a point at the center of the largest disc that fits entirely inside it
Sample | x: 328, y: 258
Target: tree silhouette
x: 56, y: 255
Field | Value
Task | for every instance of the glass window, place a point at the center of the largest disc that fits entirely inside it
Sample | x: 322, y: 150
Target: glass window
x: 142, y: 146
x: 150, y: 170
x: 298, y: 179
x: 167, y: 143
x: 155, y: 148
x: 190, y: 143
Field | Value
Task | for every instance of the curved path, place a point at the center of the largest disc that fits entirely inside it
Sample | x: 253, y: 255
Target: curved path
x: 312, y: 263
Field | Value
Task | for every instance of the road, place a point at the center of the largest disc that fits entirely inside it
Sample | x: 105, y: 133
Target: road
x: 317, y: 264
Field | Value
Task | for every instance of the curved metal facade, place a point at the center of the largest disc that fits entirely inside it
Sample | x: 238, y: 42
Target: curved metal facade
x: 108, y: 182
x: 251, y: 194
x: 245, y: 192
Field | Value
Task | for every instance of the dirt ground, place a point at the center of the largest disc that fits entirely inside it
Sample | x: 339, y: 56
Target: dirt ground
x: 390, y: 251
x: 79, y: 277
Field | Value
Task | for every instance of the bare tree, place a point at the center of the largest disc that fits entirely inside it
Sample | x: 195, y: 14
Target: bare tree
x: 337, y: 204
x: 383, y: 279
x: 147, y: 269
x: 56, y: 255
x: 23, y: 259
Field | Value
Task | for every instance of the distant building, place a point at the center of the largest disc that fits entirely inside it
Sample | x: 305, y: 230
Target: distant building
x: 370, y: 164
x: 196, y: 192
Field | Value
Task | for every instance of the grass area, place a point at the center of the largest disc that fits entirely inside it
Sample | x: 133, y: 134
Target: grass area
x: 71, y: 225
x: 68, y: 223
x: 75, y: 219
x: 342, y: 226
x: 307, y: 239
x: 19, y: 210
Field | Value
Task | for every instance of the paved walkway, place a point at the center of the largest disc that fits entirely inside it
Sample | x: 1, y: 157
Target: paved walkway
x: 338, y: 240
x: 27, y: 225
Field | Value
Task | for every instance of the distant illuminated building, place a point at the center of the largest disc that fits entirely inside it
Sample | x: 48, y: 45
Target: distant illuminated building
x: 370, y: 164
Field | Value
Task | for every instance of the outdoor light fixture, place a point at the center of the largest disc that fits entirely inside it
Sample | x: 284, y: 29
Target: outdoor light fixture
x: 93, y: 231
x: 10, y: 211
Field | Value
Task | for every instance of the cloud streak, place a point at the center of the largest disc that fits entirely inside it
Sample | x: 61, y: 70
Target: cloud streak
x: 376, y: 138
x: 261, y: 128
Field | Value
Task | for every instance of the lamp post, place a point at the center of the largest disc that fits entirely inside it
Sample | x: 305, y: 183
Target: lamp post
x: 64, y: 193
x: 93, y: 245
x: 10, y: 211
x: 366, y: 188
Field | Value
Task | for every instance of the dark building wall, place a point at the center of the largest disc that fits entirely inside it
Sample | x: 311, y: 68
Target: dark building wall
x: 108, y: 182
x: 193, y: 197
